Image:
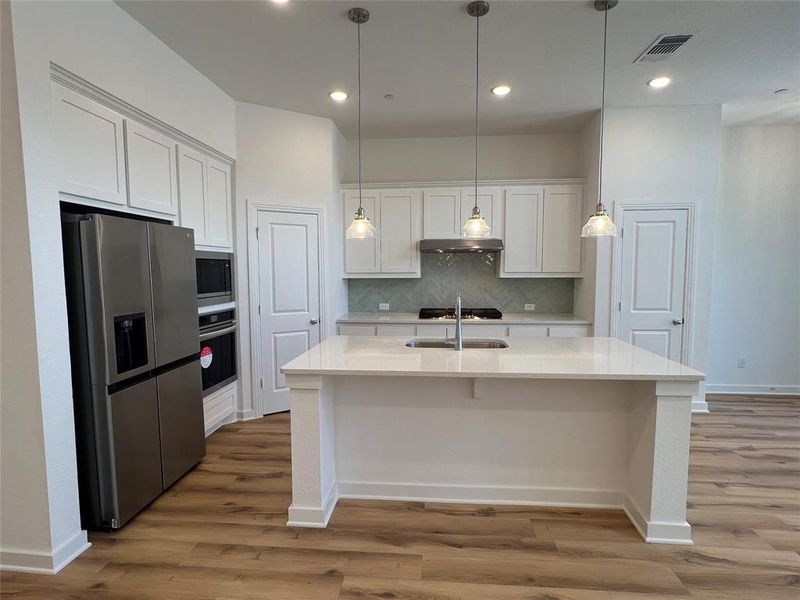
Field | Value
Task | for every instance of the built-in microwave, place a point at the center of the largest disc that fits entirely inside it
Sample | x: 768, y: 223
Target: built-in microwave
x: 214, y: 277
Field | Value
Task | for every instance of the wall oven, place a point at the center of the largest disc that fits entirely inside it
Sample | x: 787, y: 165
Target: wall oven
x: 217, y: 350
x: 214, y: 277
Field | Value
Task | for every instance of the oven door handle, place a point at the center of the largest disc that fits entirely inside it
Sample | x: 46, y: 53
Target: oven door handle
x: 217, y: 332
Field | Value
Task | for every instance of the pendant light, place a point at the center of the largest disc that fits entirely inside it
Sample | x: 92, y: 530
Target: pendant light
x: 600, y: 224
x: 360, y: 228
x: 476, y: 226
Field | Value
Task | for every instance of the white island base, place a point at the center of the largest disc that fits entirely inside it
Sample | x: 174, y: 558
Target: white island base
x: 463, y: 435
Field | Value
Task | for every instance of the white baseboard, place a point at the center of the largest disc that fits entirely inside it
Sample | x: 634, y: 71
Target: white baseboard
x: 311, y: 516
x: 482, y: 494
x: 699, y: 406
x: 654, y: 532
x: 246, y: 415
x: 753, y: 390
x: 219, y: 421
x: 45, y: 562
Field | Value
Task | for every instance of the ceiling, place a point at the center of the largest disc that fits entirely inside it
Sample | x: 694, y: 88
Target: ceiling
x: 290, y: 56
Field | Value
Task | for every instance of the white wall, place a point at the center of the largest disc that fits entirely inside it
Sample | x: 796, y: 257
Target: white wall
x: 659, y: 154
x: 103, y: 44
x: 755, y: 300
x: 287, y: 159
x: 453, y: 158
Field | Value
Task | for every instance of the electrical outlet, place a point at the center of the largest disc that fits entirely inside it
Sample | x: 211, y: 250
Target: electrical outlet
x: 530, y: 307
x: 741, y: 362
x: 383, y: 306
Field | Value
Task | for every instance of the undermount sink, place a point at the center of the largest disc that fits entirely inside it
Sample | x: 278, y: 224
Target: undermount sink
x: 451, y: 343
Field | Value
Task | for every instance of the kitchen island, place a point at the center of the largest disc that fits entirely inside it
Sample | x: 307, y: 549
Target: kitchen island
x: 545, y: 421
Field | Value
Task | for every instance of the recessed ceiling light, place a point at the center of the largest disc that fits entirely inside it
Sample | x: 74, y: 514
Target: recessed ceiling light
x: 660, y: 82
x: 280, y: 1
x: 501, y: 90
x: 338, y: 96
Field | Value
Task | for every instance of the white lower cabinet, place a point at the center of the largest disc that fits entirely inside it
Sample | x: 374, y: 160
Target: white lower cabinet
x: 356, y: 329
x: 219, y: 408
x: 396, y: 329
x: 474, y: 330
x: 570, y: 331
x: 484, y: 331
x: 435, y: 331
x: 527, y: 330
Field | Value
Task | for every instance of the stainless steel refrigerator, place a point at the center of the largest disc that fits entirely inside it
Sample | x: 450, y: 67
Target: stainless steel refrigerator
x: 132, y: 305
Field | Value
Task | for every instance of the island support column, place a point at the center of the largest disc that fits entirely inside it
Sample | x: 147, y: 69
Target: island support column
x: 313, y: 468
x: 658, y: 460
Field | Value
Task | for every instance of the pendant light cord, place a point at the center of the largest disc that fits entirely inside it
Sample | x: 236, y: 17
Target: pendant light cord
x: 602, y: 111
x: 359, y: 116
x: 477, y: 93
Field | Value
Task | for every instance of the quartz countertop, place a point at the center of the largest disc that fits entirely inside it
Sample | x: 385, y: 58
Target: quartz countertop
x: 525, y: 358
x: 508, y: 319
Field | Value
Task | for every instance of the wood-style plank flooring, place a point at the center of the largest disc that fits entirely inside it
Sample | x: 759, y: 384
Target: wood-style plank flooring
x: 220, y: 533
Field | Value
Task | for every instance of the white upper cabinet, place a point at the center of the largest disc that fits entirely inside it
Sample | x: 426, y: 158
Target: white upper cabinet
x: 204, y: 189
x: 394, y: 252
x: 218, y: 204
x: 90, y: 148
x: 562, y: 215
x: 488, y: 202
x: 152, y: 169
x: 522, y: 231
x: 362, y: 256
x: 192, y: 175
x: 441, y: 212
x: 400, y: 231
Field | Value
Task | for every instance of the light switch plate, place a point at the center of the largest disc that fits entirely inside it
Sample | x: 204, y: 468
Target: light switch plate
x: 383, y: 306
x: 530, y: 307
x: 741, y: 362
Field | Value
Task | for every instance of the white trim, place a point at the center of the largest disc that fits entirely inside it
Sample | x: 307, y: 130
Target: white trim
x: 253, y: 208
x: 26, y: 561
x: 482, y: 494
x: 463, y: 183
x: 654, y: 532
x: 699, y: 406
x: 753, y: 390
x: 619, y: 208
x: 307, y: 516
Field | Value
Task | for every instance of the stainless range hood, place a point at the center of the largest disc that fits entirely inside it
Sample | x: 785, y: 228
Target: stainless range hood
x: 461, y: 245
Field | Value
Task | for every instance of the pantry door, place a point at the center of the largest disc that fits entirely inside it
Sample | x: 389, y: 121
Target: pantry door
x: 288, y: 297
x: 654, y: 279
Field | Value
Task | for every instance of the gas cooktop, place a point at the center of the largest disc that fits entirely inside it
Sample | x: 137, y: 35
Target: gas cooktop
x: 466, y: 313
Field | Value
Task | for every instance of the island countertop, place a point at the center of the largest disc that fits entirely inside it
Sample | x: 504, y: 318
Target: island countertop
x: 525, y: 358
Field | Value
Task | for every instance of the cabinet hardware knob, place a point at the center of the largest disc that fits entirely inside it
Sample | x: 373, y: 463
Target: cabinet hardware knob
x: 314, y: 321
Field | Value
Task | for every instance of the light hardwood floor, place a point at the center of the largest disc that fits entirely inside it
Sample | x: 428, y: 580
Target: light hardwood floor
x: 219, y: 533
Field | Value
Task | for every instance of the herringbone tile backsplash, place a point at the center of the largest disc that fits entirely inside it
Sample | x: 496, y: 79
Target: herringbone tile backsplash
x: 474, y: 275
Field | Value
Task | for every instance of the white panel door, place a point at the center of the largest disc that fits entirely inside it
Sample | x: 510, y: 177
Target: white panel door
x: 192, y: 191
x: 400, y: 231
x: 522, y: 230
x: 488, y: 201
x: 653, y: 280
x: 152, y: 169
x: 441, y: 213
x: 561, y: 229
x: 288, y: 289
x: 218, y: 204
x: 362, y: 256
x: 89, y: 146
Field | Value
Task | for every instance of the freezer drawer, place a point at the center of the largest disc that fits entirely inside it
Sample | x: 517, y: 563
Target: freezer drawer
x: 180, y: 404
x: 172, y: 268
x: 136, y: 449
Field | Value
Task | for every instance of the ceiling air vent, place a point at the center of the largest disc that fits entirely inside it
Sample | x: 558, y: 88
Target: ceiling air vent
x: 663, y: 48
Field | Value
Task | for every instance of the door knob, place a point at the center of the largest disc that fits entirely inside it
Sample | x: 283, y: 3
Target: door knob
x: 677, y: 321
x: 314, y: 321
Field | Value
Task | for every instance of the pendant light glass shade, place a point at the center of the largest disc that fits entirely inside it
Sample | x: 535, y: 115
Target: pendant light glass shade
x: 599, y: 225
x: 476, y: 226
x: 360, y: 228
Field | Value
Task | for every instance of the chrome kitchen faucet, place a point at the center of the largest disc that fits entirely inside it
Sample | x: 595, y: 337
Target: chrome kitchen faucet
x: 459, y: 344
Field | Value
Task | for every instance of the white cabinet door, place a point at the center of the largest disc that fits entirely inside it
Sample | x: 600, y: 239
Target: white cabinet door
x: 435, y: 331
x: 561, y: 248
x: 397, y: 329
x: 192, y: 189
x: 90, y: 148
x: 218, y: 204
x: 488, y: 202
x: 399, y: 231
x: 441, y: 213
x: 152, y: 169
x: 522, y: 231
x: 362, y: 256
x: 569, y: 331
x: 527, y: 331
x: 484, y: 331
